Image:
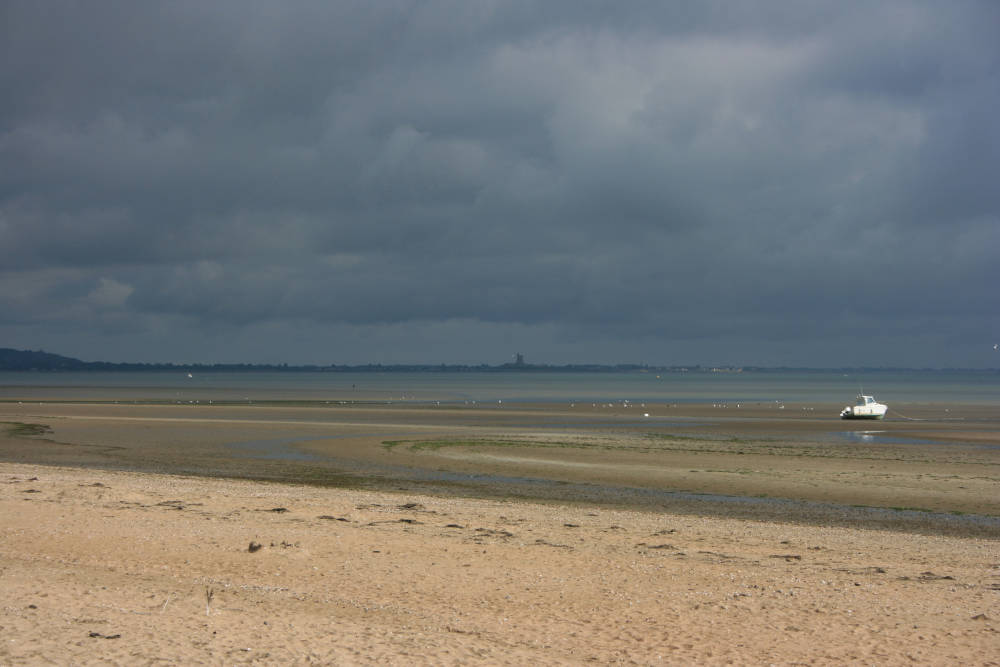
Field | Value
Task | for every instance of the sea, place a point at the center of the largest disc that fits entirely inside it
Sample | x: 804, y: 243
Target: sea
x: 931, y: 387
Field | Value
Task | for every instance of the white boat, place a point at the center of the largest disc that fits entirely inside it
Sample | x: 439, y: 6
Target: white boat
x: 866, y: 408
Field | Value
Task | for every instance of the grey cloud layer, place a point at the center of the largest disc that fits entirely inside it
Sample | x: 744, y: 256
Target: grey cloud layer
x: 806, y: 173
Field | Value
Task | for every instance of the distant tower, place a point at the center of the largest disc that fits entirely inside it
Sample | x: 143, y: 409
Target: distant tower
x: 520, y: 360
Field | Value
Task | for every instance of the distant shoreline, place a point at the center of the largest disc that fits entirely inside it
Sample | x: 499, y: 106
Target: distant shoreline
x: 29, y: 361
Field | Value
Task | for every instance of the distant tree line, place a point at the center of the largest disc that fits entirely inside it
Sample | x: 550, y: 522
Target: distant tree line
x: 32, y: 360
x: 40, y: 361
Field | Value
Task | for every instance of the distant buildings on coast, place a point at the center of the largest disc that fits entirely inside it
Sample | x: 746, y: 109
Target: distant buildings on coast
x: 40, y: 361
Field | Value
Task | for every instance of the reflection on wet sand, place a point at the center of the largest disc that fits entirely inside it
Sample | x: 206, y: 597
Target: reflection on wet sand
x: 700, y: 457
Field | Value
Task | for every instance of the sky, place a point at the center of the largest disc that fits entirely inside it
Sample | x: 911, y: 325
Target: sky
x: 330, y: 182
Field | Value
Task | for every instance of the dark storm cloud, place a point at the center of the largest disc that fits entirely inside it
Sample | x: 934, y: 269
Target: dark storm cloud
x: 581, y: 180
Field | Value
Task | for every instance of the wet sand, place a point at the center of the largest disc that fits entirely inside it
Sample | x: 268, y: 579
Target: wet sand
x: 655, y: 456
x: 498, y: 535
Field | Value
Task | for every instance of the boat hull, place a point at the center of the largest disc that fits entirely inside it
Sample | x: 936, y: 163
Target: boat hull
x: 866, y: 408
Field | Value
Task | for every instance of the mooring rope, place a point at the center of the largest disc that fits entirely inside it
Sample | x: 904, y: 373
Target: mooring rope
x: 900, y: 414
x: 915, y: 419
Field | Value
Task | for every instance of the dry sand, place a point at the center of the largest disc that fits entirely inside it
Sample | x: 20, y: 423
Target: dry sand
x: 110, y: 562
x: 132, y: 568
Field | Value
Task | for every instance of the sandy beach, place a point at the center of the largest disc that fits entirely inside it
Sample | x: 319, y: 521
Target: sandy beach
x: 157, y: 534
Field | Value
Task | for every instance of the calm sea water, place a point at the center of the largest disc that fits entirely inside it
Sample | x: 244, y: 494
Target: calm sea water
x: 932, y: 387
